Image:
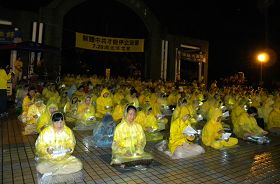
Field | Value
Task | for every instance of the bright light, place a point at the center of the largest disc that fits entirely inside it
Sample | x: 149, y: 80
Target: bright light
x: 263, y: 57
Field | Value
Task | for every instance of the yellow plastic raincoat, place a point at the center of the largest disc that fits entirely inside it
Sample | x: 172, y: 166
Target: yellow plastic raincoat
x: 129, y: 143
x: 45, y: 119
x: 70, y: 109
x: 118, y: 96
x: 34, y: 112
x: 173, y: 98
x: 102, y: 102
x: 246, y: 124
x: 86, y: 111
x: 26, y: 103
x: 177, y: 138
x: 56, y: 164
x: 212, y: 132
x: 118, y: 112
x: 274, y: 117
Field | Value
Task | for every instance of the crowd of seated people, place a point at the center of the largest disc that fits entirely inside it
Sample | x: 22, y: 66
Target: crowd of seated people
x: 128, y: 113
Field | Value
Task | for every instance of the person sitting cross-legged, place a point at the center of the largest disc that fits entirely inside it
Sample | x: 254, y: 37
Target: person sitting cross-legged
x: 54, y: 147
x: 181, y: 144
x: 129, y: 141
x: 212, y: 132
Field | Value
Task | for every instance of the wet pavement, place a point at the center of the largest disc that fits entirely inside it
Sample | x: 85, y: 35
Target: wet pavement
x: 246, y: 163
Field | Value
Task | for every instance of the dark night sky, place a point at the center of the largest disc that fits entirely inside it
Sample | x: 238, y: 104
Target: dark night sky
x: 235, y: 29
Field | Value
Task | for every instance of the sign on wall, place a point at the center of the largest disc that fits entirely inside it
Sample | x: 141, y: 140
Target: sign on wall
x: 8, y: 36
x: 102, y: 43
x: 193, y: 56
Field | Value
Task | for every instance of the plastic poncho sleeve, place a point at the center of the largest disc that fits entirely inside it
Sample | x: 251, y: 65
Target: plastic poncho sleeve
x: 176, y: 113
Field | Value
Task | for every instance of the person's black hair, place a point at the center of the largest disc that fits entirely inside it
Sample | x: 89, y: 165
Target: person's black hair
x: 57, y: 116
x: 32, y: 88
x: 252, y: 110
x: 131, y: 107
x: 29, y: 89
x: 132, y: 91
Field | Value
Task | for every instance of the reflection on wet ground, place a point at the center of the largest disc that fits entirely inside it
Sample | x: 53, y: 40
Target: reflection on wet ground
x: 245, y: 163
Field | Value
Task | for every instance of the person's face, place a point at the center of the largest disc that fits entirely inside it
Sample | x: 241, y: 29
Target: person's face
x: 52, y: 109
x: 74, y: 100
x: 58, y: 125
x: 131, y: 114
x: 87, y: 101
x: 32, y: 93
x: 105, y: 95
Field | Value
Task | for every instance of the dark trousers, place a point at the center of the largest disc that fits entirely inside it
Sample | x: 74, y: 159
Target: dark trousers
x: 3, y: 100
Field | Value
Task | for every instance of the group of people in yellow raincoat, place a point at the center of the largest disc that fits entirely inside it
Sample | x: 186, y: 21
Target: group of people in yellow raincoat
x: 135, y: 126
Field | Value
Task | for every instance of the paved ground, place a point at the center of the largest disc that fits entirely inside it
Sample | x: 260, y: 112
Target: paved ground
x: 246, y: 163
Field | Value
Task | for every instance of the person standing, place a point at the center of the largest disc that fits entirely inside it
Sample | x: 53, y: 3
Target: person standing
x: 4, y: 77
x: 18, y: 68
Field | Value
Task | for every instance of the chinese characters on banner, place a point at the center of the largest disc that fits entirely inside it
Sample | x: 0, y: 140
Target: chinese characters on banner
x: 196, y: 57
x: 101, y: 43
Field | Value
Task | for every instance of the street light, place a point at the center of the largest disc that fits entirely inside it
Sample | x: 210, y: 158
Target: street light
x: 262, y: 58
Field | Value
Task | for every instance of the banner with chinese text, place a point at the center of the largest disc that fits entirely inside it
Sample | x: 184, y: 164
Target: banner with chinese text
x: 101, y: 43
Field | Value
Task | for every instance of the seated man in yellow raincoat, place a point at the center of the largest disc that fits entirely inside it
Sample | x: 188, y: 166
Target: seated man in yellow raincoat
x: 129, y: 140
x: 34, y: 113
x: 54, y: 147
x: 273, y: 124
x: 70, y: 109
x: 86, y: 111
x: 119, y: 111
x: 27, y: 102
x: 132, y: 98
x: 64, y: 99
x: 104, y: 103
x: 45, y: 119
x: 247, y: 126
x: 213, y: 130
x: 149, y: 124
x: 181, y: 145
